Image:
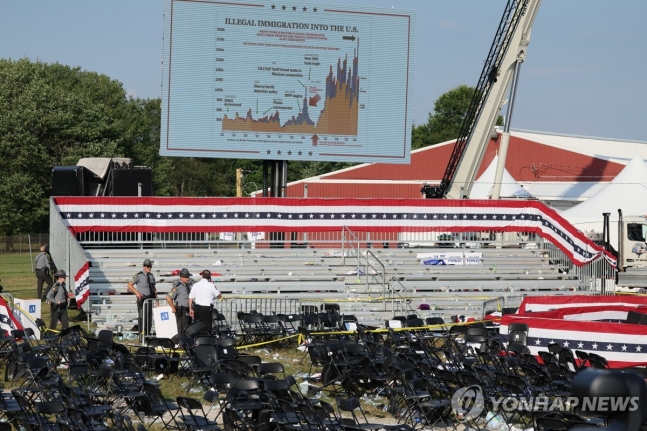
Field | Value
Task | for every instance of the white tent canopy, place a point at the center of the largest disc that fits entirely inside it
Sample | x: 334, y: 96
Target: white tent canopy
x: 510, y: 188
x: 627, y: 191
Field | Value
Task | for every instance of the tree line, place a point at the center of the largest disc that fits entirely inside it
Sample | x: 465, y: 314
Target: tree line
x: 54, y: 115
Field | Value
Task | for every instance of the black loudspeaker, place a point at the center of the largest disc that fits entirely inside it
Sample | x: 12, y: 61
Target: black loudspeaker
x: 125, y: 182
x: 68, y: 181
x: 636, y: 318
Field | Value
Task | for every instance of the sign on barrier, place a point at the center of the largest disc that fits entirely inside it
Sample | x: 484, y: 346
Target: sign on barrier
x: 165, y: 324
x: 450, y: 258
x: 28, y: 310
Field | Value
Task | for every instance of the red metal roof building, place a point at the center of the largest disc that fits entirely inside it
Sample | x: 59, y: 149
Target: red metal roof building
x: 560, y: 170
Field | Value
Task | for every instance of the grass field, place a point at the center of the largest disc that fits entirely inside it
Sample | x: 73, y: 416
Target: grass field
x: 19, y: 280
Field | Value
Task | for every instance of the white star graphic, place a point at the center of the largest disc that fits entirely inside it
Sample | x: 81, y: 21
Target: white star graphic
x: 565, y: 343
x: 136, y: 215
x: 363, y: 215
x: 203, y: 215
x: 181, y: 215
x: 353, y: 216
x: 404, y: 216
x: 279, y: 215
x: 609, y: 347
x: 445, y: 216
x: 148, y: 215
x: 102, y: 215
x: 384, y: 216
x: 247, y: 215
x: 290, y: 215
x: 523, y: 217
x: 395, y: 216
x: 552, y: 342
x: 638, y: 348
x: 170, y: 216
x: 224, y: 215
x: 537, y: 342
x: 114, y: 215
x: 474, y: 216
x: 503, y: 217
x: 257, y: 215
x: 415, y: 216
x: 80, y: 215
x: 343, y: 216
x: 192, y: 215
x: 69, y: 215
x: 484, y: 216
x: 435, y: 216
x: 332, y: 215
x: 236, y: 215
x: 425, y: 217
x: 159, y: 215
x: 374, y: 215
x: 91, y: 215
x: 493, y: 217
x: 213, y: 215
x: 464, y: 216
x: 624, y: 348
x: 125, y: 215
x: 268, y: 215
x: 580, y: 345
x: 455, y: 216
x: 300, y: 215
x: 312, y: 216
x: 514, y: 217
x: 321, y: 216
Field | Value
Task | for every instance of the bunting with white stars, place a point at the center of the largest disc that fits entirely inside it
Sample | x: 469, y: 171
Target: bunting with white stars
x: 8, y: 321
x: 146, y: 214
x: 545, y: 303
x: 82, y: 285
x: 602, y: 331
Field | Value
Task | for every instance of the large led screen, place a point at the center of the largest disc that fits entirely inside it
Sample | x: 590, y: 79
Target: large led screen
x: 287, y: 80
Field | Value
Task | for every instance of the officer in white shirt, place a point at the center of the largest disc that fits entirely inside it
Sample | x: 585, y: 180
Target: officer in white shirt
x: 201, y: 298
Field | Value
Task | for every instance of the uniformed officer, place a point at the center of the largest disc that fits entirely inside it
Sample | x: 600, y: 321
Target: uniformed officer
x: 143, y: 286
x: 42, y: 273
x: 58, y: 299
x: 178, y: 299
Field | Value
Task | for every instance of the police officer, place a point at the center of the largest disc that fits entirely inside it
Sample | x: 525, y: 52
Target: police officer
x: 57, y: 298
x: 143, y: 286
x: 178, y: 299
x: 42, y: 273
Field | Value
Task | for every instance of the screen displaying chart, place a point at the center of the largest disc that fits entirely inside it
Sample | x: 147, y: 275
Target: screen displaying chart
x: 287, y: 81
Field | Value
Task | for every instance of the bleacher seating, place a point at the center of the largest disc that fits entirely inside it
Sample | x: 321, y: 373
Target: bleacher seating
x: 312, y: 277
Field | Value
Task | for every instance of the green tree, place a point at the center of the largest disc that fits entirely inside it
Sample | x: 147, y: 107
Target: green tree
x: 52, y: 115
x: 447, y: 118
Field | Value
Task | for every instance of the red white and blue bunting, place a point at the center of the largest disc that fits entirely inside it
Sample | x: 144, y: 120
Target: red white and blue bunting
x: 150, y: 214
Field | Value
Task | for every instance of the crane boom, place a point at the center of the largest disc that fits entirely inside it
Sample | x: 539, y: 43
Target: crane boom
x: 509, y: 47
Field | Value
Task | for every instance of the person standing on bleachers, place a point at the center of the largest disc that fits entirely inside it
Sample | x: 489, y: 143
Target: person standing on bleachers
x: 143, y: 286
x: 201, y: 298
x: 178, y: 299
x: 57, y: 297
x: 43, y: 276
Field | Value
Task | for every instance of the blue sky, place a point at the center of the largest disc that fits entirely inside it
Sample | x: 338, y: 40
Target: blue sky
x: 585, y: 72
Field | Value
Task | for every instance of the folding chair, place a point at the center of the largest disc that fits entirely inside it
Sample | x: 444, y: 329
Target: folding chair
x: 193, y: 416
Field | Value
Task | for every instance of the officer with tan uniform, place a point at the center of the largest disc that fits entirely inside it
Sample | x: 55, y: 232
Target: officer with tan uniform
x: 178, y: 299
x: 143, y: 286
x: 42, y: 268
x: 58, y: 299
